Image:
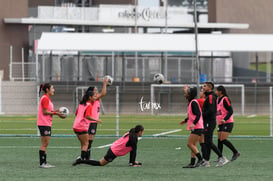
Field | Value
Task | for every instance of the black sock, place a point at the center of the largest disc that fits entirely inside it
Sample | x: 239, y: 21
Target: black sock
x: 91, y: 162
x: 230, y: 146
x: 42, y: 156
x: 89, y: 149
x: 220, y: 146
x: 203, y: 149
x: 193, y: 161
x: 199, y: 157
x: 84, y: 155
x: 216, y: 150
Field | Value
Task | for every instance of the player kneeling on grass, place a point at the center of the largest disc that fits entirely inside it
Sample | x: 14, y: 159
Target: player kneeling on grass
x: 127, y: 143
x: 194, y: 124
x: 81, y: 123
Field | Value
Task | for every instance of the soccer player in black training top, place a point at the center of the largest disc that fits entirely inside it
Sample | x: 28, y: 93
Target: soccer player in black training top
x: 209, y: 118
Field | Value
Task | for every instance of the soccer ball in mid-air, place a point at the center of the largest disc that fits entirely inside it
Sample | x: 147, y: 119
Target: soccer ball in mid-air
x: 158, y: 78
x: 64, y: 110
x: 110, y: 79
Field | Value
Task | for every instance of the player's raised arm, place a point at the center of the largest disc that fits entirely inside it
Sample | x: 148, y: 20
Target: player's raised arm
x: 104, y: 89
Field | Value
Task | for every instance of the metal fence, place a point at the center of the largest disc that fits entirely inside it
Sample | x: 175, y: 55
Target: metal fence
x: 22, y: 98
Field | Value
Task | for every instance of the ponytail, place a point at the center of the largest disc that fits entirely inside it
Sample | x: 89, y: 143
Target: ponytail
x: 86, y: 97
x: 222, y: 89
x: 136, y: 129
x: 44, y: 87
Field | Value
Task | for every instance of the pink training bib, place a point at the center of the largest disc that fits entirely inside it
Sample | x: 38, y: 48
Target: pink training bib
x: 119, y: 147
x: 222, y: 112
x: 44, y: 120
x: 192, y: 117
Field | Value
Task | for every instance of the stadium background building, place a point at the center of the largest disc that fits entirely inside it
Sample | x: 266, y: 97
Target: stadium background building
x: 23, y: 23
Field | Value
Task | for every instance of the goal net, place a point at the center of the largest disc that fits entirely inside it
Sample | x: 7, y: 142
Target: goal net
x: 172, y: 101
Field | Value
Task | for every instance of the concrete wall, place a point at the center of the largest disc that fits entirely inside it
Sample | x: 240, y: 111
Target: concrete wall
x: 15, y: 35
x: 257, y: 13
x: 19, y: 97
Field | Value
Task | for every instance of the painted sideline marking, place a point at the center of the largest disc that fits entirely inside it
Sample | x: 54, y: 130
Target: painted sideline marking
x: 104, y: 146
x: 18, y: 129
x: 168, y: 132
x: 53, y: 147
x: 155, y: 135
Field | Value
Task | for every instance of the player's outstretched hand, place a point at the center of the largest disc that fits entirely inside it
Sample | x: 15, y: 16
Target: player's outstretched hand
x: 105, y: 80
x: 182, y: 122
x: 60, y: 114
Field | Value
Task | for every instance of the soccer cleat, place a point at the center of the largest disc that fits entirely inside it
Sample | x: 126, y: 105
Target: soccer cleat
x: 46, y: 165
x: 199, y: 163
x: 222, y: 161
x: 205, y: 164
x: 189, y: 166
x: 235, y: 156
x: 77, y: 161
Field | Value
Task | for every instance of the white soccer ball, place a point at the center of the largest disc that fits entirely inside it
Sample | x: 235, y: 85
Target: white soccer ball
x: 64, y: 110
x: 158, y: 78
x: 110, y: 79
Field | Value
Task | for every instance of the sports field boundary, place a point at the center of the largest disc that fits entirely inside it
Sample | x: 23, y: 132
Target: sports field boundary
x: 114, y: 136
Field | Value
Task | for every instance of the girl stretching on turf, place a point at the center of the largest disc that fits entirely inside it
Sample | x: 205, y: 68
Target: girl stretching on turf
x: 44, y: 121
x: 194, y: 124
x: 225, y: 121
x: 127, y: 143
x: 84, y: 115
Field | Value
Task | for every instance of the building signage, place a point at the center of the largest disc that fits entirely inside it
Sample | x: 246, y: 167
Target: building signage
x: 146, y: 14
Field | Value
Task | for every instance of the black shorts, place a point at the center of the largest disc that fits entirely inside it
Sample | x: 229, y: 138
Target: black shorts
x: 110, y: 156
x: 45, y: 130
x: 79, y: 132
x: 198, y: 132
x: 92, y: 128
x: 225, y: 127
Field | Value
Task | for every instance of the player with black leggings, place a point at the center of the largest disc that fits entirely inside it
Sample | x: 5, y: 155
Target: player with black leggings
x: 209, y: 118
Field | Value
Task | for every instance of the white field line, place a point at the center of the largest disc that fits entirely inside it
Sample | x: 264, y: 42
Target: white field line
x: 252, y: 116
x: 18, y: 129
x: 168, y: 132
x: 34, y: 147
x: 77, y: 147
x: 104, y: 146
x: 155, y: 135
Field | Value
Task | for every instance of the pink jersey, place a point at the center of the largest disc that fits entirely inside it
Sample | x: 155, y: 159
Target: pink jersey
x: 45, y: 120
x: 96, y: 110
x: 191, y: 117
x: 80, y: 122
x: 119, y: 147
x: 222, y: 112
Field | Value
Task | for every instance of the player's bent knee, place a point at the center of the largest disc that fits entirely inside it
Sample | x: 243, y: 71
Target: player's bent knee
x: 103, y: 162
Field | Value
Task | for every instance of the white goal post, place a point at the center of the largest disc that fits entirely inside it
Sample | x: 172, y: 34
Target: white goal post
x: 242, y: 86
x: 270, y: 111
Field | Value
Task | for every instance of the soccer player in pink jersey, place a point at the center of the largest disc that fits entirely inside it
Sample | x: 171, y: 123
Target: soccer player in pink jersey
x: 92, y: 130
x: 127, y: 143
x: 224, y: 117
x: 84, y: 115
x: 194, y: 124
x: 44, y: 121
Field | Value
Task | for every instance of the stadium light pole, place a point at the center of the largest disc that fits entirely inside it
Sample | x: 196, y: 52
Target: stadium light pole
x: 197, y: 63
